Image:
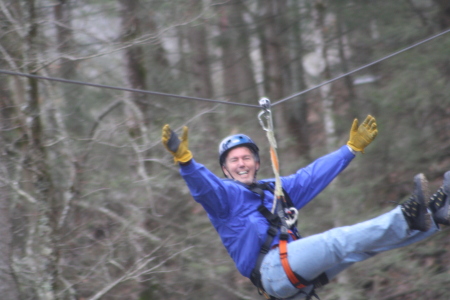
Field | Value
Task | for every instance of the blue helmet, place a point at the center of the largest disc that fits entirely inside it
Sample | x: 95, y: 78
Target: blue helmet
x: 233, y: 141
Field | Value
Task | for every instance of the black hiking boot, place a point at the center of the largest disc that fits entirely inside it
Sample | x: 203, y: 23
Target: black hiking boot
x: 415, y: 208
x: 440, y: 202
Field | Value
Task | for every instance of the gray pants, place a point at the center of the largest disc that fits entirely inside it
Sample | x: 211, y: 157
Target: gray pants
x: 335, y: 250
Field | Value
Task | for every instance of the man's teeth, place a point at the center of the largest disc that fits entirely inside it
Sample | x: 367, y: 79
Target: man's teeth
x: 243, y: 172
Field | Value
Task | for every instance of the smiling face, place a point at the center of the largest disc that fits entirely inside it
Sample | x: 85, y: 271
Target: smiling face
x: 240, y: 164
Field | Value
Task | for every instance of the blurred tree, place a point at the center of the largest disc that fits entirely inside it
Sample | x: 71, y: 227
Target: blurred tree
x: 96, y: 206
x: 239, y: 82
x: 444, y: 13
x: 8, y: 284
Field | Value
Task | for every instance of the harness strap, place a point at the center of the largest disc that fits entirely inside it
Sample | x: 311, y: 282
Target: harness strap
x: 286, y: 205
x: 255, y: 276
x: 296, y: 280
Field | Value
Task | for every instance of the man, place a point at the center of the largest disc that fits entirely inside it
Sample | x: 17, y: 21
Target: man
x: 239, y: 209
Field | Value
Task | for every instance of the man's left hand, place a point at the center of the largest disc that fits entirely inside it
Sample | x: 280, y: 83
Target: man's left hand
x: 361, y: 136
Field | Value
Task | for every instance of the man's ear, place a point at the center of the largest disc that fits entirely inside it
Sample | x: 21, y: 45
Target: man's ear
x: 225, y: 171
x: 257, y: 166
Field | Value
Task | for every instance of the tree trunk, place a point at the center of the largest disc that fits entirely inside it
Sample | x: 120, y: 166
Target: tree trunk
x: 297, y: 117
x: 201, y: 82
x: 197, y: 38
x: 8, y: 284
x: 47, y: 231
x: 136, y: 104
x: 348, y: 80
x: 237, y: 68
x: 74, y: 111
x: 134, y: 54
x: 239, y: 81
x: 328, y: 119
x: 444, y: 13
x: 274, y: 60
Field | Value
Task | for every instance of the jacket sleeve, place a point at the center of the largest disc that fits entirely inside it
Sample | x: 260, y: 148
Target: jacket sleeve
x: 307, y: 182
x: 207, y: 189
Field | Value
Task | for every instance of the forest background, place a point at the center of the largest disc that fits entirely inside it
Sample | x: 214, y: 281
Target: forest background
x: 93, y: 207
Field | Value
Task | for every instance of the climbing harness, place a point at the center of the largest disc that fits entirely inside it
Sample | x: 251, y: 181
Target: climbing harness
x: 282, y: 218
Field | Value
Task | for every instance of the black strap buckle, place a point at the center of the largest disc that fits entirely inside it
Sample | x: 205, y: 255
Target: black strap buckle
x: 284, y: 233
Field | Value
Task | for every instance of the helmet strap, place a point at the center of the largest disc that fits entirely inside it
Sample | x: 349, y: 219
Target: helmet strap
x: 223, y: 167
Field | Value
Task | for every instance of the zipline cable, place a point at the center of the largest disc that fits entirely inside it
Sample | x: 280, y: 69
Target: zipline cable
x: 123, y: 88
x: 360, y: 68
x: 218, y: 101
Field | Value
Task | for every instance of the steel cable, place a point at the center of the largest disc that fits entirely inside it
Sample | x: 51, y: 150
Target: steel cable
x: 123, y: 88
x: 360, y: 68
x: 218, y: 101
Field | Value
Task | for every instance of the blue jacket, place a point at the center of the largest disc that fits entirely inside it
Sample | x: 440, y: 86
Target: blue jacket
x: 232, y: 208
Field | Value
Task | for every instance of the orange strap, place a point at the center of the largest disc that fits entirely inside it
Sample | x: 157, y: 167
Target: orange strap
x: 287, y: 268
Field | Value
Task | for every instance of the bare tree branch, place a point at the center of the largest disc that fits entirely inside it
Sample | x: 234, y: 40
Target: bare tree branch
x: 119, y: 219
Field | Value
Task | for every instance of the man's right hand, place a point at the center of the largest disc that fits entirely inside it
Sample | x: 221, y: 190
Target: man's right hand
x: 178, y: 147
x: 361, y: 136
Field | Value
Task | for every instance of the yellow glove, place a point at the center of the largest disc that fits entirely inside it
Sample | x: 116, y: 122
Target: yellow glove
x: 178, y: 147
x: 361, y: 136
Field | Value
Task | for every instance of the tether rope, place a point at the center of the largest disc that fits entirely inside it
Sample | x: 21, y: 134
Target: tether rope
x: 265, y: 119
x: 218, y: 101
x: 290, y: 216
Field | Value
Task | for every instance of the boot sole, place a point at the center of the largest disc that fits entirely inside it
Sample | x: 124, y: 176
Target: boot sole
x: 423, y: 198
x: 446, y: 188
x: 442, y: 216
x: 446, y: 184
